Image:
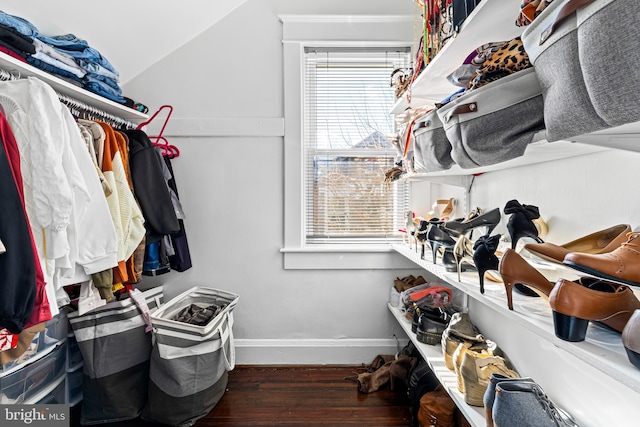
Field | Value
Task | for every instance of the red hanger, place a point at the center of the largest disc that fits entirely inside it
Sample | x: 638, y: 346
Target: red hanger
x: 164, y: 125
x: 167, y: 149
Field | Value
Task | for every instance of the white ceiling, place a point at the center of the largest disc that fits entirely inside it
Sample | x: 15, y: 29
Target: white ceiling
x: 132, y: 35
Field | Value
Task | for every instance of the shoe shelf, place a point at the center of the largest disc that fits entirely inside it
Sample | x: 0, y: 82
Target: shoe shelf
x: 602, y: 349
x: 434, y: 357
x: 22, y: 70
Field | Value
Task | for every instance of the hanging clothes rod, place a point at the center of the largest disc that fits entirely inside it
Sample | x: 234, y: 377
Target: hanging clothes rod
x: 79, y: 108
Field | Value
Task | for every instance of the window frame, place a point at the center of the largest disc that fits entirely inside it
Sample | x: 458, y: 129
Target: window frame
x: 300, y: 32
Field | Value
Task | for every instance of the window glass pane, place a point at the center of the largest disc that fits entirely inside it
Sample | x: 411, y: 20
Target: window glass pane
x: 348, y: 130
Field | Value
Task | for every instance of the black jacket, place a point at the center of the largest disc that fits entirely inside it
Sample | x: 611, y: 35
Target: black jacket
x: 150, y: 187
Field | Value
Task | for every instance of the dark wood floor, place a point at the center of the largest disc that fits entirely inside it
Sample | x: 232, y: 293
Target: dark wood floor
x: 300, y: 396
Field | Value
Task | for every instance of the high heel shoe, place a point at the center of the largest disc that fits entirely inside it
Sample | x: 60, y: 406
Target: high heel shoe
x: 445, y: 212
x: 438, y: 237
x: 463, y: 253
x: 600, y: 242
x: 410, y: 229
x: 484, y: 256
x: 421, y: 236
x: 575, y: 304
x: 489, y: 220
x: 521, y: 221
x: 515, y: 270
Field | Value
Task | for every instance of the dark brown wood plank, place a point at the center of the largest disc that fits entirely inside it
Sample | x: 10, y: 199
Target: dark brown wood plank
x: 304, y: 396
x: 298, y: 396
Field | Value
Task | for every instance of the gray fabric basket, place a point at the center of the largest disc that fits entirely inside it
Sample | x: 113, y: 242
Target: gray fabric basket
x: 610, y: 59
x: 189, y: 363
x: 586, y: 63
x: 115, y: 349
x: 432, y: 149
x: 495, y: 122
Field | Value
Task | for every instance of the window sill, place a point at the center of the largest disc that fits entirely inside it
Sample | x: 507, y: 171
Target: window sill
x: 361, y: 257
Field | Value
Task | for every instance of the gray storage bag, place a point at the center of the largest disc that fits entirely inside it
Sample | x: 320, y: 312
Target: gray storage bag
x: 432, y: 149
x: 608, y: 34
x: 584, y: 54
x: 495, y: 122
x: 115, y: 343
x: 189, y: 363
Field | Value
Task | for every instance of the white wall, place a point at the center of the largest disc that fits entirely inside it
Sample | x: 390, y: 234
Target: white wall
x: 226, y: 84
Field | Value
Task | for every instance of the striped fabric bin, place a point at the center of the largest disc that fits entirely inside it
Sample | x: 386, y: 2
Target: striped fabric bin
x: 189, y: 363
x: 115, y: 348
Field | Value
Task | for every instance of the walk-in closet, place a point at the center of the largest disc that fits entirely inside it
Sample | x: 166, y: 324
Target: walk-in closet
x: 284, y: 212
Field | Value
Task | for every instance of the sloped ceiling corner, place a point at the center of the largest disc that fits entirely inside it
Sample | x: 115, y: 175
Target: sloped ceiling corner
x: 132, y: 35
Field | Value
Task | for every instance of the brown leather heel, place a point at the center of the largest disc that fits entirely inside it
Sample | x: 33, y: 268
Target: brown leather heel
x: 514, y: 269
x: 575, y: 304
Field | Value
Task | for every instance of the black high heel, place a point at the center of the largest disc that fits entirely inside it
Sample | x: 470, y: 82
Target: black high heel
x: 489, y: 220
x: 521, y: 222
x: 484, y: 256
x: 438, y: 237
x: 421, y: 236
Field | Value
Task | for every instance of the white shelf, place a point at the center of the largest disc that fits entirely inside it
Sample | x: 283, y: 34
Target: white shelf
x: 490, y: 21
x: 537, y: 152
x: 602, y: 349
x: 25, y: 70
x: 434, y: 357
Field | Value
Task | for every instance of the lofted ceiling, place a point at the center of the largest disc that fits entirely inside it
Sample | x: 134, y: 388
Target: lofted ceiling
x: 132, y: 35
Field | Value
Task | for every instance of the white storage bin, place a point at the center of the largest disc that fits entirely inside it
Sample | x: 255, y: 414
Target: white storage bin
x: 19, y: 385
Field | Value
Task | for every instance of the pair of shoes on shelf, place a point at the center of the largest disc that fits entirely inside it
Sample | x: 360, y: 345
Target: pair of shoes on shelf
x: 574, y: 303
x: 473, y: 365
x: 431, y: 324
x: 481, y: 254
x: 489, y: 220
x: 442, y: 209
x: 460, y: 329
x: 521, y: 402
x: 408, y: 282
x: 438, y: 237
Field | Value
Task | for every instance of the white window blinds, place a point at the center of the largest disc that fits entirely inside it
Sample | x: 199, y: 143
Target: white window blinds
x: 347, y: 149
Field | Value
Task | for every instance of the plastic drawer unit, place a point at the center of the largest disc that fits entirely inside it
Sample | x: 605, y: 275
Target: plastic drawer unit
x: 54, y: 394
x: 74, y: 387
x: 26, y: 381
x: 74, y: 357
x: 55, y: 332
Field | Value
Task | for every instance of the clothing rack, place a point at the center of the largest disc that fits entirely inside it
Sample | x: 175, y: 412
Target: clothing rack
x: 78, y: 108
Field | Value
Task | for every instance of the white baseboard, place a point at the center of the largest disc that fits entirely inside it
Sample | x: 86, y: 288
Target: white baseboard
x: 313, y: 352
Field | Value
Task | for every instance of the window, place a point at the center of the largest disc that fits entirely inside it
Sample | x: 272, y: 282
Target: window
x: 347, y: 146
x: 326, y: 248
